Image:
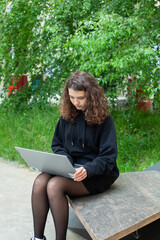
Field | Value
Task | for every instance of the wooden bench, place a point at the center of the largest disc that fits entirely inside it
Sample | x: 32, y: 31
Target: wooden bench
x: 131, y: 203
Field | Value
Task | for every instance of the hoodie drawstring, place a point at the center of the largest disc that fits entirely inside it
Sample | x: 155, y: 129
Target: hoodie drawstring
x: 82, y: 132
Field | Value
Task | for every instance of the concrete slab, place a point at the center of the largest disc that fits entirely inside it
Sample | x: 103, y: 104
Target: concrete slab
x: 15, y: 212
x: 155, y: 167
x: 130, y: 204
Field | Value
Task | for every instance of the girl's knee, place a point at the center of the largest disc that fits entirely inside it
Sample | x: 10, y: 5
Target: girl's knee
x: 54, y: 186
x: 40, y: 182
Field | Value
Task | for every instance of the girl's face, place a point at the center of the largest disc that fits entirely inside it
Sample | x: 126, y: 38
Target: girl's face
x: 78, y: 99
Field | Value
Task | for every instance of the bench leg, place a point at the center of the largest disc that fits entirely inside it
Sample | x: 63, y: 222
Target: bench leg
x: 136, y: 235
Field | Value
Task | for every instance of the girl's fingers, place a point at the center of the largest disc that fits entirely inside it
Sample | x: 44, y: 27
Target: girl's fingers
x: 80, y: 174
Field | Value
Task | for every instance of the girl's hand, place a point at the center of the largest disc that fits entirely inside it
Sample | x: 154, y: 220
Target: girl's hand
x: 80, y: 174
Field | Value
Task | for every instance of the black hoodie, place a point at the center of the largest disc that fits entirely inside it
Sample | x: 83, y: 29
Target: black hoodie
x: 94, y: 147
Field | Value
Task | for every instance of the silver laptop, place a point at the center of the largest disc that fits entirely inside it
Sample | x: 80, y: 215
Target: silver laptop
x: 47, y: 162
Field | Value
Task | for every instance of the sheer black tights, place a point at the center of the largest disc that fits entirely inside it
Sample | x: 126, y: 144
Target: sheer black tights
x: 50, y: 192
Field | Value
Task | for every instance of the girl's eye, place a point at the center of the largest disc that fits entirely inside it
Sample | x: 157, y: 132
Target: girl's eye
x: 80, y: 98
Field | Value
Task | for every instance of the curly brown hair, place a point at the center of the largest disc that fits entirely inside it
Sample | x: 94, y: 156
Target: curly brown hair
x: 96, y: 104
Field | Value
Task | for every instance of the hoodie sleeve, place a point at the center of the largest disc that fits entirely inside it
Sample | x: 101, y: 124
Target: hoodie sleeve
x: 106, y: 159
x: 57, y: 141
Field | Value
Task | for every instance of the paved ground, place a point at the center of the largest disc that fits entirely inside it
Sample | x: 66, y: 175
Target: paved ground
x: 15, y: 206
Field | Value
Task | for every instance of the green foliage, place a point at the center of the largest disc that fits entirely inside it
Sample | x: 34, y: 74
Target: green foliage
x: 112, y: 48
x: 111, y: 39
x: 17, y: 33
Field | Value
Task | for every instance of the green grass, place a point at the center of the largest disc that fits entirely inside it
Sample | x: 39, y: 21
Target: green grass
x: 138, y: 138
x: 31, y: 129
x: 138, y: 135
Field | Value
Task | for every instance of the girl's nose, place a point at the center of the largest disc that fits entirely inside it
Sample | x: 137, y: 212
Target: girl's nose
x: 76, y: 101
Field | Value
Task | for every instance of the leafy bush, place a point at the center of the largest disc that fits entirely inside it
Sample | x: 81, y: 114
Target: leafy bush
x: 112, y: 40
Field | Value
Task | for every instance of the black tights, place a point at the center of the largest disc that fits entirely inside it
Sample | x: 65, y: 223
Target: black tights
x: 50, y: 192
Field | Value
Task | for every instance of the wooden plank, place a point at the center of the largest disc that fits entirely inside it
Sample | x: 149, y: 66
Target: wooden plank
x: 131, y: 203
